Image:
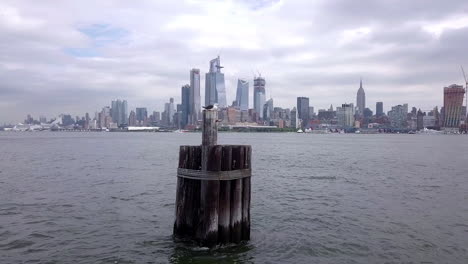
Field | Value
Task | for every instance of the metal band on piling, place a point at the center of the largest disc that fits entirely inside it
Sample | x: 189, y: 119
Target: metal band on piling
x: 214, y: 175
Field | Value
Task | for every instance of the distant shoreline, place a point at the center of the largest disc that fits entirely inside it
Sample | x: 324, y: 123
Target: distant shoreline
x: 240, y: 132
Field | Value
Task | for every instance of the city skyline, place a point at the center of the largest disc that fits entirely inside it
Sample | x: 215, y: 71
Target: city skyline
x: 93, y: 57
x: 451, y: 118
x: 118, y: 109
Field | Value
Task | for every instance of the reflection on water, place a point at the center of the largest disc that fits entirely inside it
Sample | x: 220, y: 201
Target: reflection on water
x: 187, y: 252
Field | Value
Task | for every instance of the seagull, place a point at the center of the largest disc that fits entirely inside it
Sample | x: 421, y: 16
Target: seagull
x: 211, y: 107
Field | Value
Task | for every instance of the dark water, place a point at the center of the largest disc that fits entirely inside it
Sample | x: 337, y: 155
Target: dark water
x: 107, y: 197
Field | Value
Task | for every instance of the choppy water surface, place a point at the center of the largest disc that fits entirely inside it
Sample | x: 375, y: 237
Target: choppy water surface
x: 109, y: 197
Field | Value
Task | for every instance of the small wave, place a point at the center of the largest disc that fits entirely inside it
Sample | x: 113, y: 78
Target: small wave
x: 428, y: 186
x: 323, y: 177
x: 122, y: 199
x: 9, y: 213
x: 141, y: 194
x: 38, y: 235
x: 17, y: 244
x: 5, y: 234
x: 35, y: 222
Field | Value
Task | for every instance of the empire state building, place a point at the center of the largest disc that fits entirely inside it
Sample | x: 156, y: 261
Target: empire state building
x: 361, y: 100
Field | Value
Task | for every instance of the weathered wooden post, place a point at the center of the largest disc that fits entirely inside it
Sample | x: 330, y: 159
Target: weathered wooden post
x: 213, y: 189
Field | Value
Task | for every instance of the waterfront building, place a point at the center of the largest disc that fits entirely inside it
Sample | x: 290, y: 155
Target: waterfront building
x: 429, y: 121
x: 294, y: 122
x: 104, y: 118
x: 242, y: 95
x: 132, y: 118
x: 184, y: 106
x: 245, y: 116
x: 67, y: 120
x: 233, y: 115
x: 414, y: 112
x: 303, y: 110
x: 360, y: 100
x: 379, y: 109
x: 119, y: 112
x: 168, y: 114
x: 398, y: 116
x: 326, y: 115
x: 453, y: 103
x: 194, y: 113
x: 420, y: 119
x: 87, y: 120
x: 259, y: 95
x: 164, y: 119
x: 367, y: 113
x: 93, y: 124
x: 141, y: 115
x: 345, y: 115
x: 215, y: 90
x: 311, y: 112
x: 268, y: 110
x: 437, y: 117
x: 157, y: 116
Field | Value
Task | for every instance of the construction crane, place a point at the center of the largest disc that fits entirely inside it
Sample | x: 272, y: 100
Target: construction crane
x: 466, y: 93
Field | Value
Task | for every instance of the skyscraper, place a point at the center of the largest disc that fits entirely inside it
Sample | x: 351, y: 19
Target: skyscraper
x: 215, y: 90
x: 259, y: 95
x: 303, y: 110
x: 345, y: 115
x: 420, y: 119
x: 119, y: 112
x: 453, y: 102
x: 132, y: 118
x: 379, y: 109
x: 242, y: 95
x: 156, y: 117
x: 194, y: 98
x: 361, y: 100
x: 398, y: 116
x: 268, y: 110
x: 185, y: 105
x: 141, y: 114
x: 168, y: 114
x: 294, y: 123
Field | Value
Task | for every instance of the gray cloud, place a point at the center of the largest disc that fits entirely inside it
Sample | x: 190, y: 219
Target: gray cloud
x: 54, y: 59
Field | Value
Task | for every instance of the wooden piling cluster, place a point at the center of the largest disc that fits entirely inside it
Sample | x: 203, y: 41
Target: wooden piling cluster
x: 213, y: 189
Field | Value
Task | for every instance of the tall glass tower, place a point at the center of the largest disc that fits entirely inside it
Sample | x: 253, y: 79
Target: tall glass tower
x: 259, y: 95
x: 194, y: 97
x: 119, y: 112
x: 215, y: 90
x: 242, y: 95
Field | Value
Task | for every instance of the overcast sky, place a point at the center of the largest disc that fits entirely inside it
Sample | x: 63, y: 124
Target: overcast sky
x: 76, y: 56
